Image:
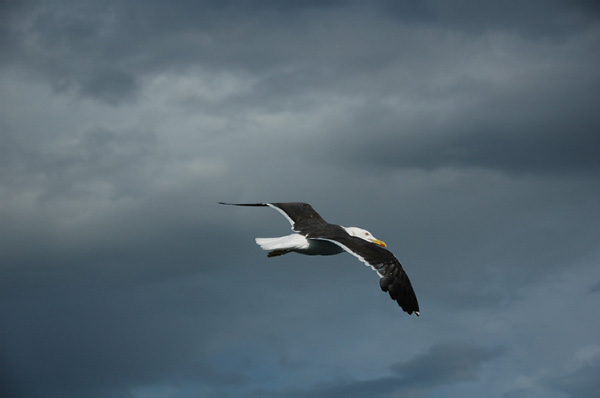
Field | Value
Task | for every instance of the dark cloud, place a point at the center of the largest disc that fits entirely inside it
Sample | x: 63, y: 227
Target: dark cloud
x: 537, y: 124
x: 581, y: 382
x: 444, y: 364
x: 554, y: 21
x: 103, y: 50
x: 464, y: 136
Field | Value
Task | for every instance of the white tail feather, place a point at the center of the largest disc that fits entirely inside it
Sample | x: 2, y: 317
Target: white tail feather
x: 288, y: 242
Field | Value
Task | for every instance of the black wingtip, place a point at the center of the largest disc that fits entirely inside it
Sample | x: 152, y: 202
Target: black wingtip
x: 401, y: 291
x: 242, y: 204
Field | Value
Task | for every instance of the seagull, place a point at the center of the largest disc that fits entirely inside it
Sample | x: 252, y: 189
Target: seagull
x: 315, y: 236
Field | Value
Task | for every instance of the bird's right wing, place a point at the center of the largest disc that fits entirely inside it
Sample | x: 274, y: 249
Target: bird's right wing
x: 394, y: 279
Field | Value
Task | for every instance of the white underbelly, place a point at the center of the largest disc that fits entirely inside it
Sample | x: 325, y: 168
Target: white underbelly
x: 299, y: 244
x: 320, y: 248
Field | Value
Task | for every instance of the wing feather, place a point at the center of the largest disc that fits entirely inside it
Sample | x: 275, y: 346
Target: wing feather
x: 394, y: 279
x: 301, y: 216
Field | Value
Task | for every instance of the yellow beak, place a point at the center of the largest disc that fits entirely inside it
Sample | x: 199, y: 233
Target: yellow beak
x: 379, y: 242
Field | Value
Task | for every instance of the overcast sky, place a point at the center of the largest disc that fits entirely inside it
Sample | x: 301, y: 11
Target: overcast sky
x: 466, y: 135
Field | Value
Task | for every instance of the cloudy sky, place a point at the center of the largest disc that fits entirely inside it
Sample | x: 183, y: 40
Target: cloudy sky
x: 465, y: 135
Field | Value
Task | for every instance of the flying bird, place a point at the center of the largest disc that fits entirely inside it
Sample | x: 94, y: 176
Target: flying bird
x: 315, y: 236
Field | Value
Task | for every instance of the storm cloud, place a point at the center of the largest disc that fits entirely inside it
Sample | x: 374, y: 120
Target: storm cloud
x: 465, y: 136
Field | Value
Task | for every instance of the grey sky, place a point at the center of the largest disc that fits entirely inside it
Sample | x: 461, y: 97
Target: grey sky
x: 464, y: 136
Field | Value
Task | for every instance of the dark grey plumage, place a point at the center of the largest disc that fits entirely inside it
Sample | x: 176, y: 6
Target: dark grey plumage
x: 307, y: 222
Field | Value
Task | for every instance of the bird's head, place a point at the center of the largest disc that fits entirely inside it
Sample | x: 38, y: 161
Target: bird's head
x: 364, y: 234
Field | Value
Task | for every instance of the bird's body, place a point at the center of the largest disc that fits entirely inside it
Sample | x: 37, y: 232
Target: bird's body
x: 315, y: 236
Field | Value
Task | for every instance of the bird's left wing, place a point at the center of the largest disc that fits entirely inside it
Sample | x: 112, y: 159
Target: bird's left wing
x: 301, y: 216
